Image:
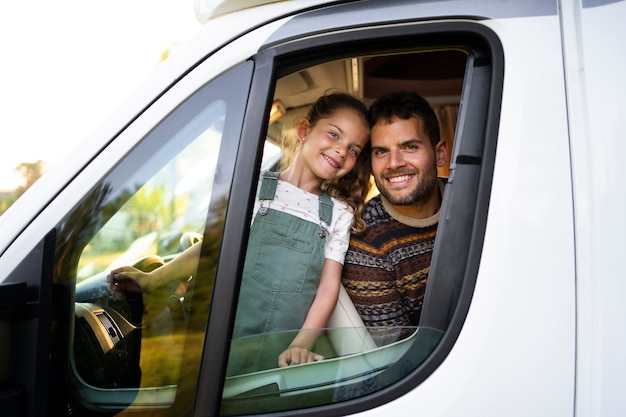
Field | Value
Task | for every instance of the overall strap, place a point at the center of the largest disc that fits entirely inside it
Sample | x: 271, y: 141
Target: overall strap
x: 268, y: 185
x: 325, y: 207
x: 268, y: 190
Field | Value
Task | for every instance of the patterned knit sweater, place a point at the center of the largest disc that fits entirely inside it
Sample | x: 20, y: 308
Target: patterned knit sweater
x: 386, y: 269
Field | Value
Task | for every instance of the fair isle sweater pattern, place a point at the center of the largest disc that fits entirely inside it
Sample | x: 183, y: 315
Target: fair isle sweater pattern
x: 386, y: 269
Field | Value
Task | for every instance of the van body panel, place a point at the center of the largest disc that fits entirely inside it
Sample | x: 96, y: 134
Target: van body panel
x: 595, y: 96
x: 542, y: 332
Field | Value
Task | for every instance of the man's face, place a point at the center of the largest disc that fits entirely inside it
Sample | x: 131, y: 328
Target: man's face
x: 404, y: 162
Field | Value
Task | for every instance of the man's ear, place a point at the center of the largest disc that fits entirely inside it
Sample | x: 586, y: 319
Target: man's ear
x: 441, y: 152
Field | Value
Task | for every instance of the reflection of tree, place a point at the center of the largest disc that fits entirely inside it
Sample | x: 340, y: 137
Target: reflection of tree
x: 152, y: 209
x: 30, y: 172
x: 76, y: 231
x: 83, y: 223
x: 147, y: 210
x: 6, y: 199
x: 80, y: 226
x: 198, y: 319
x: 73, y: 233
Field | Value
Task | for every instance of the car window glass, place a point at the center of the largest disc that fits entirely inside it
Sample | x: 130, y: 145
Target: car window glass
x: 131, y: 345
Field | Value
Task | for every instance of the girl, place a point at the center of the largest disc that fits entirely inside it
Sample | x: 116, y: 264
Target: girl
x: 299, y: 236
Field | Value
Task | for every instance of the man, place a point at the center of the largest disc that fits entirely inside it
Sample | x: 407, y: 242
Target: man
x: 387, y: 266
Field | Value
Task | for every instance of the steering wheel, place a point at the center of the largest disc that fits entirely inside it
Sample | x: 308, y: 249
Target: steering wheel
x: 188, y: 239
x: 149, y: 263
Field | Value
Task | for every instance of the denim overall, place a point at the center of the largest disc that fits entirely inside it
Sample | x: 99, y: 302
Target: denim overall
x: 280, y: 277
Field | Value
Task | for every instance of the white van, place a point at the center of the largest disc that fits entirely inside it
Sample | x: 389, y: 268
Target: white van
x: 523, y: 314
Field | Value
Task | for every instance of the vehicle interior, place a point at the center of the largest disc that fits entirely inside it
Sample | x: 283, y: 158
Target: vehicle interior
x: 437, y: 75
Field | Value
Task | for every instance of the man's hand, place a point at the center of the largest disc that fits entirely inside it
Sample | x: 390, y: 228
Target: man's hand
x: 295, y: 355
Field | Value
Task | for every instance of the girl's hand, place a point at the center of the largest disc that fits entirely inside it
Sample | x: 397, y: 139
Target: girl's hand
x: 295, y: 355
x: 125, y: 279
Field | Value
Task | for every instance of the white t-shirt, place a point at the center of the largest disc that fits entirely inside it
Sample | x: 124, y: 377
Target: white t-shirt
x: 305, y: 205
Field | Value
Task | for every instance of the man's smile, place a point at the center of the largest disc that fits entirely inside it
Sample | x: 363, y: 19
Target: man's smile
x: 399, y: 178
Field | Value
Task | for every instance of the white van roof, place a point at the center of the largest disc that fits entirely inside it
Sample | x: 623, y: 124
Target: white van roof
x: 206, y: 10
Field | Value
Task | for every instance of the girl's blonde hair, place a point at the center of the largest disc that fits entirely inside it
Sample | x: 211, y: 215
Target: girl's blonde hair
x: 354, y: 187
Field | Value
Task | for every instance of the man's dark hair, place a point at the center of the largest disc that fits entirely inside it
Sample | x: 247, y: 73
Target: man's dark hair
x: 404, y: 105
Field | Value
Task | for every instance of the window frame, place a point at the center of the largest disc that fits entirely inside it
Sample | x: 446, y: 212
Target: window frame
x: 478, y: 120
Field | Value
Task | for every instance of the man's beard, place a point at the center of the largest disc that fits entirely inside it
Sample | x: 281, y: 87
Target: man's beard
x: 426, y: 182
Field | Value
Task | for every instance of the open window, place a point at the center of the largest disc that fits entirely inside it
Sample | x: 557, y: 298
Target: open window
x: 458, y: 69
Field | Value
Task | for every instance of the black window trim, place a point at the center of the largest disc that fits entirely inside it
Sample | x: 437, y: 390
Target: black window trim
x: 482, y: 89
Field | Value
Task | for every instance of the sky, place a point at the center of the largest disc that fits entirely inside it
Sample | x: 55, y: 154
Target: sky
x: 66, y: 64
